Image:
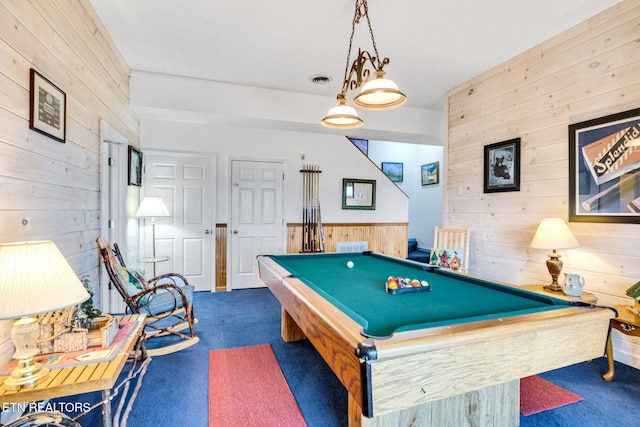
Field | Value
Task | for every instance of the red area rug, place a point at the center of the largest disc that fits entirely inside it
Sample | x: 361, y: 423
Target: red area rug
x: 247, y: 388
x: 538, y: 395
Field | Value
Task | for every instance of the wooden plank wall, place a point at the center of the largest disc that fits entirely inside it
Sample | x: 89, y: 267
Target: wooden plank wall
x: 589, y: 71
x: 50, y: 190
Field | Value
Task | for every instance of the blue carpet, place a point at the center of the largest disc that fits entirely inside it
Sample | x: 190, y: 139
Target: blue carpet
x: 174, y: 391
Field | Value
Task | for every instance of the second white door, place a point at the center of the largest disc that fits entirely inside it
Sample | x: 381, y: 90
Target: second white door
x: 256, y: 218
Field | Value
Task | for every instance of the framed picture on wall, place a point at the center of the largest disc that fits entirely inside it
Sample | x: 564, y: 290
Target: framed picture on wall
x: 362, y: 144
x: 394, y: 171
x: 47, y: 107
x: 135, y: 167
x: 430, y: 173
x: 502, y: 166
x: 604, y: 169
x: 358, y: 194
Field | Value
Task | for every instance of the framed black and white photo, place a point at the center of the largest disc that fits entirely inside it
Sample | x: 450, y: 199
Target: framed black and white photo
x: 135, y: 167
x: 604, y: 169
x: 47, y: 107
x: 502, y: 166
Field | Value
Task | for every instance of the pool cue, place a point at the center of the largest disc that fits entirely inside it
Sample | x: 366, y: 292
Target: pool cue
x: 313, y: 209
x: 304, y: 209
x: 321, y: 229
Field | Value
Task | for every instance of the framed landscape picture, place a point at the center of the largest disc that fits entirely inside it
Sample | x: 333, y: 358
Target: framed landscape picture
x: 394, y: 171
x: 430, y: 173
x: 604, y: 169
x: 502, y: 166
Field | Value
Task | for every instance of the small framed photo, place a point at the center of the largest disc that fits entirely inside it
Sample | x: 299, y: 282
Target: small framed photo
x: 502, y: 166
x: 47, y: 107
x: 394, y: 171
x: 362, y: 144
x: 604, y: 169
x: 358, y: 194
x: 430, y: 173
x: 135, y: 167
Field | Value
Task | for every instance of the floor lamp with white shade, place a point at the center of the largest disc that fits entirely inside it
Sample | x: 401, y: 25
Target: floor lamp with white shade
x: 152, y: 207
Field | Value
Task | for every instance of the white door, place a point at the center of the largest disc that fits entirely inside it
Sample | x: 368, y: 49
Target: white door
x: 113, y: 196
x: 185, y: 183
x: 256, y: 219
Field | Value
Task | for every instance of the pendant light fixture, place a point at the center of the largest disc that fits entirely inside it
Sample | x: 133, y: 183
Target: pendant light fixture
x: 379, y: 93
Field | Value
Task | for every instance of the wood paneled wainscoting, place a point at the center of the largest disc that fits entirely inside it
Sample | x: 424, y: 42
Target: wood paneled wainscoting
x: 386, y: 238
x: 221, y: 257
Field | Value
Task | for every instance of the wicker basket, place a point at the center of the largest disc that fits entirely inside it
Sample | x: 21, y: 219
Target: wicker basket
x: 56, y: 334
x: 102, y: 330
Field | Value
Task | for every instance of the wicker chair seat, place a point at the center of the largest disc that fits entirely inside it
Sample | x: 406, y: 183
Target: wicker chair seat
x: 167, y: 299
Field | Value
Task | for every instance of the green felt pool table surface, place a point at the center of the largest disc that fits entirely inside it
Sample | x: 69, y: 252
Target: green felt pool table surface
x: 454, y: 298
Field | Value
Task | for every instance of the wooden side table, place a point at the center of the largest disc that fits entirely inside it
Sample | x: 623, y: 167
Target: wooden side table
x: 85, y: 378
x: 627, y: 322
x: 584, y: 297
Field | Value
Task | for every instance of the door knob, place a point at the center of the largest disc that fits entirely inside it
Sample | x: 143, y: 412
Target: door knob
x: 207, y: 231
x: 235, y: 231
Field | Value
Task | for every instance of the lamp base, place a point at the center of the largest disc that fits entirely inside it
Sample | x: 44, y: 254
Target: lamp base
x: 25, y: 375
x: 554, y: 265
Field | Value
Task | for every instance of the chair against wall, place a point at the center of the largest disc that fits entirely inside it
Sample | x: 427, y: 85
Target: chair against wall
x: 166, y: 301
x: 454, y: 238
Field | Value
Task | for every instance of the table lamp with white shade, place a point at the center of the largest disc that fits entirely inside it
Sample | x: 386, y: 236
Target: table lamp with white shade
x: 35, y: 278
x: 554, y: 233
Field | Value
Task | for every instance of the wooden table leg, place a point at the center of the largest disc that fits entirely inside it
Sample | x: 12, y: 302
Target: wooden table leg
x: 608, y: 376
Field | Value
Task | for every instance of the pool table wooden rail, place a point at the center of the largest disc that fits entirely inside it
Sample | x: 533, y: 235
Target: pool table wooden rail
x: 457, y: 362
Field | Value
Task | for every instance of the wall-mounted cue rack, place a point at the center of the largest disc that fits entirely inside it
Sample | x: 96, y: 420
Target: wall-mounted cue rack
x: 312, y: 234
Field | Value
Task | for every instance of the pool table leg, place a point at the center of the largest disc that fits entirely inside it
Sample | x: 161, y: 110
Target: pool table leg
x: 289, y: 329
x: 608, y: 376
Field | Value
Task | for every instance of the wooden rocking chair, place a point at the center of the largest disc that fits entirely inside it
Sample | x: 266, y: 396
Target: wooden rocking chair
x: 166, y: 300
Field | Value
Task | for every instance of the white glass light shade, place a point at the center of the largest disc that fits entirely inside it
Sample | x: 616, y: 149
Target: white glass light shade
x: 152, y: 206
x: 36, y: 278
x: 554, y: 233
x: 342, y: 117
x: 379, y: 94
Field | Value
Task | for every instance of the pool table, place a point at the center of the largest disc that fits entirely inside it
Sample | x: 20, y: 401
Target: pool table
x: 450, y: 355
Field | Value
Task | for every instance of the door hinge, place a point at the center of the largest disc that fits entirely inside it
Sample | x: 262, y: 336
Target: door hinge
x: 111, y: 161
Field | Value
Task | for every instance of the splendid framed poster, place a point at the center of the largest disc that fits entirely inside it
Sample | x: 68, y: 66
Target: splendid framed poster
x: 604, y: 169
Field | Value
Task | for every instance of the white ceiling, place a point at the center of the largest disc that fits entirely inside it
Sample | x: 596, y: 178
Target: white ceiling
x: 433, y: 45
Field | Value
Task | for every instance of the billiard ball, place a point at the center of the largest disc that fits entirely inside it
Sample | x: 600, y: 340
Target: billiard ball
x: 350, y: 264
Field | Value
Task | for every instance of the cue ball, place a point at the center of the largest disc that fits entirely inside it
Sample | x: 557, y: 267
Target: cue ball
x: 350, y: 264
